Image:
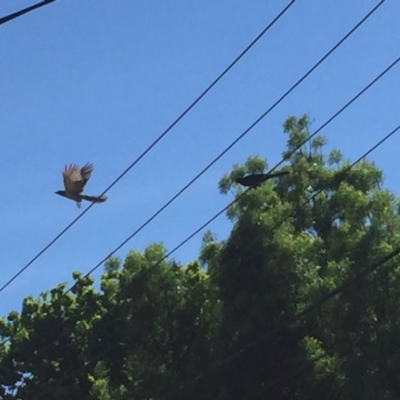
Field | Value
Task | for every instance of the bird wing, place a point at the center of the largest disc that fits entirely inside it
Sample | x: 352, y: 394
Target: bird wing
x: 76, y: 178
x: 86, y: 172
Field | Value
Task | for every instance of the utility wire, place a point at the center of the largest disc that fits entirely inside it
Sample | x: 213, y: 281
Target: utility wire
x: 17, y: 14
x: 158, y: 139
x: 229, y: 205
x: 346, y: 170
x: 241, y: 136
x: 340, y: 288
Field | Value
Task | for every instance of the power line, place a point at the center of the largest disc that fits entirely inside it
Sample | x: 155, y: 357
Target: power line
x: 229, y: 205
x: 150, y: 147
x: 340, y: 288
x: 17, y: 14
x: 242, y: 135
x: 342, y: 173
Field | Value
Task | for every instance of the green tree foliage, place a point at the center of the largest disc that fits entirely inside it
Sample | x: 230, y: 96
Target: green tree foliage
x: 153, y: 327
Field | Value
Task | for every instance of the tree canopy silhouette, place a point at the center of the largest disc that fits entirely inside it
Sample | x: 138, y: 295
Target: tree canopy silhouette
x: 154, y: 327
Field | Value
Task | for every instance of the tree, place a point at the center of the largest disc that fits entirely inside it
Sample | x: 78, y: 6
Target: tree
x: 221, y: 326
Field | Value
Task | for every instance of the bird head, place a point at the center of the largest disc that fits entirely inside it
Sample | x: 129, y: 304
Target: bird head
x: 240, y: 180
x: 60, y: 192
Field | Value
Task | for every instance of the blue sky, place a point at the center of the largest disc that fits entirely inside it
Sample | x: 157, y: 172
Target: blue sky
x: 99, y: 80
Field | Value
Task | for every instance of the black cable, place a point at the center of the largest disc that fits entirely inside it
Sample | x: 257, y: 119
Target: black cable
x: 217, y: 158
x: 241, y: 136
x: 342, y: 173
x: 299, y: 315
x: 151, y: 145
x: 17, y: 14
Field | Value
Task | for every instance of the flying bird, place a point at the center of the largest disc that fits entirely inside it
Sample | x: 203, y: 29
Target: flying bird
x: 75, y: 179
x: 256, y: 179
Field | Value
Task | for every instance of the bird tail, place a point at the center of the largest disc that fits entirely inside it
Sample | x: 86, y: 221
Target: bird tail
x: 94, y: 199
x: 276, y: 174
x: 265, y: 177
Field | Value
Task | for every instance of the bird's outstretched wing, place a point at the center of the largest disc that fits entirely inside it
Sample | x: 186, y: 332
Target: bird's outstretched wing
x: 75, y: 178
x: 86, y: 172
x: 256, y: 179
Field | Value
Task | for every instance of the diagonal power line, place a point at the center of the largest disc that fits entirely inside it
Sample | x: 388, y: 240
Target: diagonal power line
x: 340, y: 288
x: 153, y: 144
x: 315, y: 306
x: 241, y: 136
x: 26, y: 10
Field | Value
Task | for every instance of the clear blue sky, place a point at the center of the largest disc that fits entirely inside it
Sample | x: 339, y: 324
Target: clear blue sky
x: 99, y: 80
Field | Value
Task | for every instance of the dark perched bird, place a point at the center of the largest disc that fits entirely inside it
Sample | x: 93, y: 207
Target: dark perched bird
x: 75, y: 179
x: 256, y: 179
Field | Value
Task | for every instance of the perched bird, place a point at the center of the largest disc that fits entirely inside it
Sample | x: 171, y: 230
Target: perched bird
x: 75, y: 179
x: 256, y: 179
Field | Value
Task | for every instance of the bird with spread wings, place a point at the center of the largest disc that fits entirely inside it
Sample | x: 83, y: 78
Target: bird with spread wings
x: 75, y: 179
